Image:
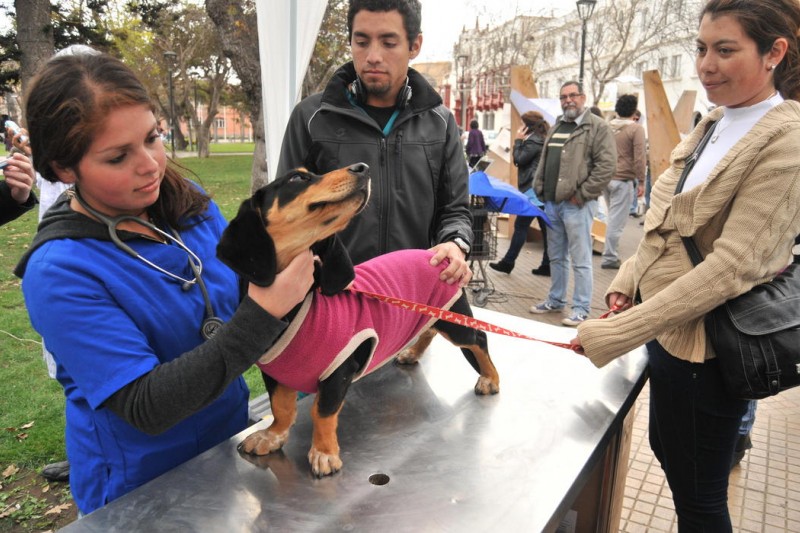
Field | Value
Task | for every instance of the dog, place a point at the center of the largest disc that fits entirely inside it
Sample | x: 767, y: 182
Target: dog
x: 350, y: 334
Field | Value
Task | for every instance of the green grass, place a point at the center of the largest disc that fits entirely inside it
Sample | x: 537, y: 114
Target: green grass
x: 231, y: 147
x: 27, y: 394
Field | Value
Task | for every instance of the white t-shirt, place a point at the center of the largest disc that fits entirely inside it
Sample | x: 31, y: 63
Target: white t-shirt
x: 733, y: 125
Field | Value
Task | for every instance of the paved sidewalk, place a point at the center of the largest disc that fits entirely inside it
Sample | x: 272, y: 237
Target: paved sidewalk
x: 764, y: 494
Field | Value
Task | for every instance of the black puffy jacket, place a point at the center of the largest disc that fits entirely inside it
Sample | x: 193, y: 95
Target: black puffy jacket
x: 420, y: 193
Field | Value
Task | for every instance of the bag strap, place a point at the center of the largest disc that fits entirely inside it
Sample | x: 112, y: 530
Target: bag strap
x: 688, y: 242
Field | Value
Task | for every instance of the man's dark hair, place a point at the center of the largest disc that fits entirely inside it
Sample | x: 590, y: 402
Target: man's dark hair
x: 410, y: 10
x: 626, y: 105
x: 573, y: 82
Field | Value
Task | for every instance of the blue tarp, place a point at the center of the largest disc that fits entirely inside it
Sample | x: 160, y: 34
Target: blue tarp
x: 503, y: 197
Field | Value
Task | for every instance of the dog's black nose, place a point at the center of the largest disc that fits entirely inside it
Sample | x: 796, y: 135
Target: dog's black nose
x: 359, y: 168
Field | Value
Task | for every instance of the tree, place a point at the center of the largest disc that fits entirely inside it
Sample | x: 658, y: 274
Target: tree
x: 43, y: 26
x: 625, y: 31
x: 34, y: 39
x: 199, y: 69
x: 236, y: 25
x: 331, y: 49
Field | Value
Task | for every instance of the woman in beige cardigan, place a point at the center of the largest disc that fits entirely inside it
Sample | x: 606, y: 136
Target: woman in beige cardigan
x: 741, y: 205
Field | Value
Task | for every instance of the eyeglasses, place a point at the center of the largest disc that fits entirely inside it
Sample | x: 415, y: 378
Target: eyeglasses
x: 571, y: 96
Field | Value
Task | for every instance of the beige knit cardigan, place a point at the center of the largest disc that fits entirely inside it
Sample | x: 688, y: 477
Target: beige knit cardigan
x: 744, y: 218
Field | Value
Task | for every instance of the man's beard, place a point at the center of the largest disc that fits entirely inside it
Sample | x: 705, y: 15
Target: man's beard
x: 377, y: 89
x: 571, y: 113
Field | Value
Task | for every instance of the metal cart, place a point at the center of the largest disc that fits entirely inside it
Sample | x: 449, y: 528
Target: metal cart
x: 484, y: 248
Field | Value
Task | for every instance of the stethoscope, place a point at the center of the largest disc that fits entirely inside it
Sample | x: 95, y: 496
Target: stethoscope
x: 211, y: 322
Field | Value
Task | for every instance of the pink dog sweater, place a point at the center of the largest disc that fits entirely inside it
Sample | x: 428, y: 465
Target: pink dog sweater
x: 327, y: 329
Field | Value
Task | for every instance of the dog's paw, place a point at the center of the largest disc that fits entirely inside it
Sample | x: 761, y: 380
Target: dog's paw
x: 408, y: 357
x: 485, y: 386
x: 323, y: 464
x: 263, y: 442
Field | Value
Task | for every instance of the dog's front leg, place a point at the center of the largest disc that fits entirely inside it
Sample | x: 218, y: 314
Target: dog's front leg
x: 283, y: 402
x: 324, y: 453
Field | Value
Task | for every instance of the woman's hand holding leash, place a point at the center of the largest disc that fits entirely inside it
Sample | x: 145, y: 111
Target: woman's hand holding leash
x: 617, y: 302
x: 458, y: 270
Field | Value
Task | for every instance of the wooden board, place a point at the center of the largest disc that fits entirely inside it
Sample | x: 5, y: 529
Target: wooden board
x: 662, y: 132
x: 684, y: 112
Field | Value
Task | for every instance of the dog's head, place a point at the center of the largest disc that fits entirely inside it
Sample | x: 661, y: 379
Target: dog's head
x: 297, y: 211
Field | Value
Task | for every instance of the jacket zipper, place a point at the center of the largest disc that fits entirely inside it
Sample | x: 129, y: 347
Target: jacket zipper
x: 384, y: 220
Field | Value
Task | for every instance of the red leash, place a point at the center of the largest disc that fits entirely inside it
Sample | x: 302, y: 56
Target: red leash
x: 464, y: 320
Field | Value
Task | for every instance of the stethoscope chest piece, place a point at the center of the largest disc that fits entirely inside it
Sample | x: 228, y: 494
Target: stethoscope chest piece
x: 210, y: 326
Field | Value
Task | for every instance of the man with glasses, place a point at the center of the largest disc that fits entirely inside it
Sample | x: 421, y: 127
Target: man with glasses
x: 579, y: 159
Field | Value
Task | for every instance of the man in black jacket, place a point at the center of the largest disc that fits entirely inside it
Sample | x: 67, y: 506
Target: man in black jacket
x: 378, y: 111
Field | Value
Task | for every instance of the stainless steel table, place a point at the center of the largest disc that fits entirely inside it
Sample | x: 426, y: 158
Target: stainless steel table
x: 421, y: 451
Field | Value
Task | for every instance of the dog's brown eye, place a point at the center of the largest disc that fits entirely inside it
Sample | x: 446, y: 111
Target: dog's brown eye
x: 300, y: 177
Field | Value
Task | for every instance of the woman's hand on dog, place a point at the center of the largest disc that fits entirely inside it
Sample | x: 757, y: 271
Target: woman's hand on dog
x: 458, y: 270
x: 290, y: 287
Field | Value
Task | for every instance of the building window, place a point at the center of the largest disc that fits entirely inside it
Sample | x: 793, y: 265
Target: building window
x: 663, y: 67
x: 640, y: 68
x: 676, y: 66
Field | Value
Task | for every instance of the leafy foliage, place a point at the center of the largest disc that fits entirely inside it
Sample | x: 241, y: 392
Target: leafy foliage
x: 331, y: 49
x: 72, y: 22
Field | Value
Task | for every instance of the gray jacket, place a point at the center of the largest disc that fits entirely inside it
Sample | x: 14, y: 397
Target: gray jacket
x: 420, y: 193
x: 588, y: 161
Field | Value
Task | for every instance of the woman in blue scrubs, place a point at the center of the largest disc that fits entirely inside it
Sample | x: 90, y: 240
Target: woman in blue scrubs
x: 149, y: 330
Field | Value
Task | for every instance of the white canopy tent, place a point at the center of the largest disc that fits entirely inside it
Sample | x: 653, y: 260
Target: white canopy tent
x: 287, y: 32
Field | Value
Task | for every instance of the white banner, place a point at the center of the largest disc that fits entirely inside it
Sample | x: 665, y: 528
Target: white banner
x: 287, y: 32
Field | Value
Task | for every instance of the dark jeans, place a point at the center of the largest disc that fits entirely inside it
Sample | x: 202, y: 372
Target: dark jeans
x: 694, y: 426
x: 521, y: 225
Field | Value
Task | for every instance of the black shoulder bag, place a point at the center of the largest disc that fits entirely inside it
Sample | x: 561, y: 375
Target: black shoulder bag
x: 756, y: 335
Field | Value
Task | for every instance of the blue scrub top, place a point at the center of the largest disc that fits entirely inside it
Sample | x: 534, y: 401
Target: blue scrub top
x: 108, y: 318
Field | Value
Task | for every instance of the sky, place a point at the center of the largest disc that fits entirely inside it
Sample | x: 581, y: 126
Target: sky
x: 443, y: 20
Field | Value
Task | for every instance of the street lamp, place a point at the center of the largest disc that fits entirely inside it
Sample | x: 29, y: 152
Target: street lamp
x: 463, y: 60
x: 585, y: 10
x: 171, y: 59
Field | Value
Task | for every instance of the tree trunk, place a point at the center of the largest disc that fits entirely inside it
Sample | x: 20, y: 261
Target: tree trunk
x: 34, y: 38
x: 238, y: 31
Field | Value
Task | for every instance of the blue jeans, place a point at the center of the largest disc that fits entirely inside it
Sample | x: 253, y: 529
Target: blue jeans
x: 569, y: 239
x: 618, y: 200
x: 520, y: 235
x: 694, y: 426
x: 749, y: 418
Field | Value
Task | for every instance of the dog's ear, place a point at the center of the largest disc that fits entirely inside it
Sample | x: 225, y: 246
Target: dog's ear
x: 336, y: 270
x: 247, y: 248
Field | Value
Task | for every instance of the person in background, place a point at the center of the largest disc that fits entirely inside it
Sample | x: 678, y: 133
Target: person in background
x: 527, y: 150
x: 396, y: 124
x: 150, y: 348
x: 578, y: 161
x: 7, y: 137
x: 640, y: 192
x: 629, y: 177
x: 16, y: 194
x: 476, y: 145
x: 744, y: 216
